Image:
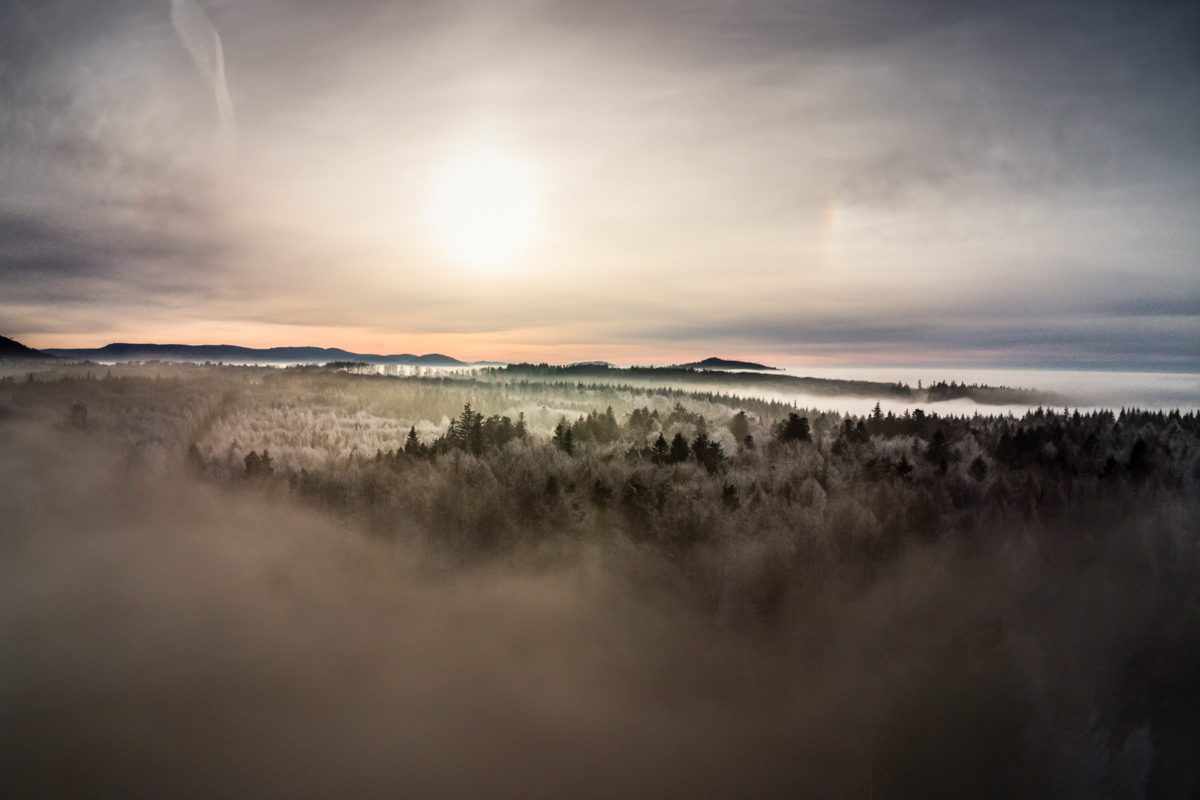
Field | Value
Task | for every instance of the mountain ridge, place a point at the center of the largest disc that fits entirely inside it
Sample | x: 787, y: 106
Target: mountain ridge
x: 198, y: 353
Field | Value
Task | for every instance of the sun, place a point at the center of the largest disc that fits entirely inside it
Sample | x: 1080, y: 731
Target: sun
x: 485, y: 206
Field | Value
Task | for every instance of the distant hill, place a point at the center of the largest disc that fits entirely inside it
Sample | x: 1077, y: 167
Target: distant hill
x: 10, y: 348
x: 724, y: 363
x: 431, y: 360
x: 232, y: 354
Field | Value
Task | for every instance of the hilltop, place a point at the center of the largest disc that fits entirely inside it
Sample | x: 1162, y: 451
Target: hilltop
x: 10, y: 348
x: 724, y: 363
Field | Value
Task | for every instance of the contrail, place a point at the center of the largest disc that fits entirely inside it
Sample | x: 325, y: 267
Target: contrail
x: 198, y: 36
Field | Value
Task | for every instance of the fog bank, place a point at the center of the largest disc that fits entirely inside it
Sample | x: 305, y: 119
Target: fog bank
x: 165, y: 638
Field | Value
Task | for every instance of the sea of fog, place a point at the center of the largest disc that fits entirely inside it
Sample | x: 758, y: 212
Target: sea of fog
x: 1082, y: 390
x: 1085, y: 390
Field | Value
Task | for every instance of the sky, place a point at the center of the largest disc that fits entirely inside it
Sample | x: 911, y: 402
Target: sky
x: 989, y: 184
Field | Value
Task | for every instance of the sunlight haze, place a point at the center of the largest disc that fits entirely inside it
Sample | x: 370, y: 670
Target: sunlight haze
x: 976, y: 184
x: 485, y: 206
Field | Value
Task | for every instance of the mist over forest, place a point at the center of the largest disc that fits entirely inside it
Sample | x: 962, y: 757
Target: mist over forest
x: 599, y: 399
x: 247, y: 581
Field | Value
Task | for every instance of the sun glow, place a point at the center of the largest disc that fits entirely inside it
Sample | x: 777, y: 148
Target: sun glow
x: 485, y: 206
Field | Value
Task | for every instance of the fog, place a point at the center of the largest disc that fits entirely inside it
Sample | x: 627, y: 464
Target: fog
x: 163, y: 640
x: 168, y: 636
x: 1084, y: 389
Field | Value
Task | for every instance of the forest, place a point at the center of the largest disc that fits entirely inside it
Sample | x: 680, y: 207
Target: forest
x: 888, y: 605
x: 698, y: 378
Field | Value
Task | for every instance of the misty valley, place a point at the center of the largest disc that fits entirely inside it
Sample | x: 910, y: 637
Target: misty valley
x: 536, y: 581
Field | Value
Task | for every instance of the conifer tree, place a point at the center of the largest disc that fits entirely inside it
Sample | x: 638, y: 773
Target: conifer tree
x: 679, y: 449
x: 938, y: 447
x: 739, y: 426
x: 978, y: 468
x: 795, y: 429
x: 660, y: 451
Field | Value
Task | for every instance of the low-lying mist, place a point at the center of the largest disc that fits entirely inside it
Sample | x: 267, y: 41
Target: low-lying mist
x: 167, y: 638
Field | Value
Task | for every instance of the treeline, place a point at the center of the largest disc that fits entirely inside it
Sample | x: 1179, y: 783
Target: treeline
x: 858, y: 489
x: 937, y: 392
x: 683, y: 376
x: 985, y: 395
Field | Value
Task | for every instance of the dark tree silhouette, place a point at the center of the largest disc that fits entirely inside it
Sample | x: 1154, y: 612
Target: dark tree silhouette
x: 795, y: 429
x: 938, y: 448
x: 739, y: 426
x: 258, y: 466
x: 679, y: 449
x: 707, y: 452
x: 1139, y: 460
x: 661, y: 451
x: 978, y: 468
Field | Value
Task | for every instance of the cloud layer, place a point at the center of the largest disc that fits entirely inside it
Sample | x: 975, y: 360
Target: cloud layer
x: 982, y: 183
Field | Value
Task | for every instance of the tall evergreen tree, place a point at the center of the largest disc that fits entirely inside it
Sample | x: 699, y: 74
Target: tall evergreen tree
x: 679, y: 449
x: 938, y: 448
x: 660, y: 451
